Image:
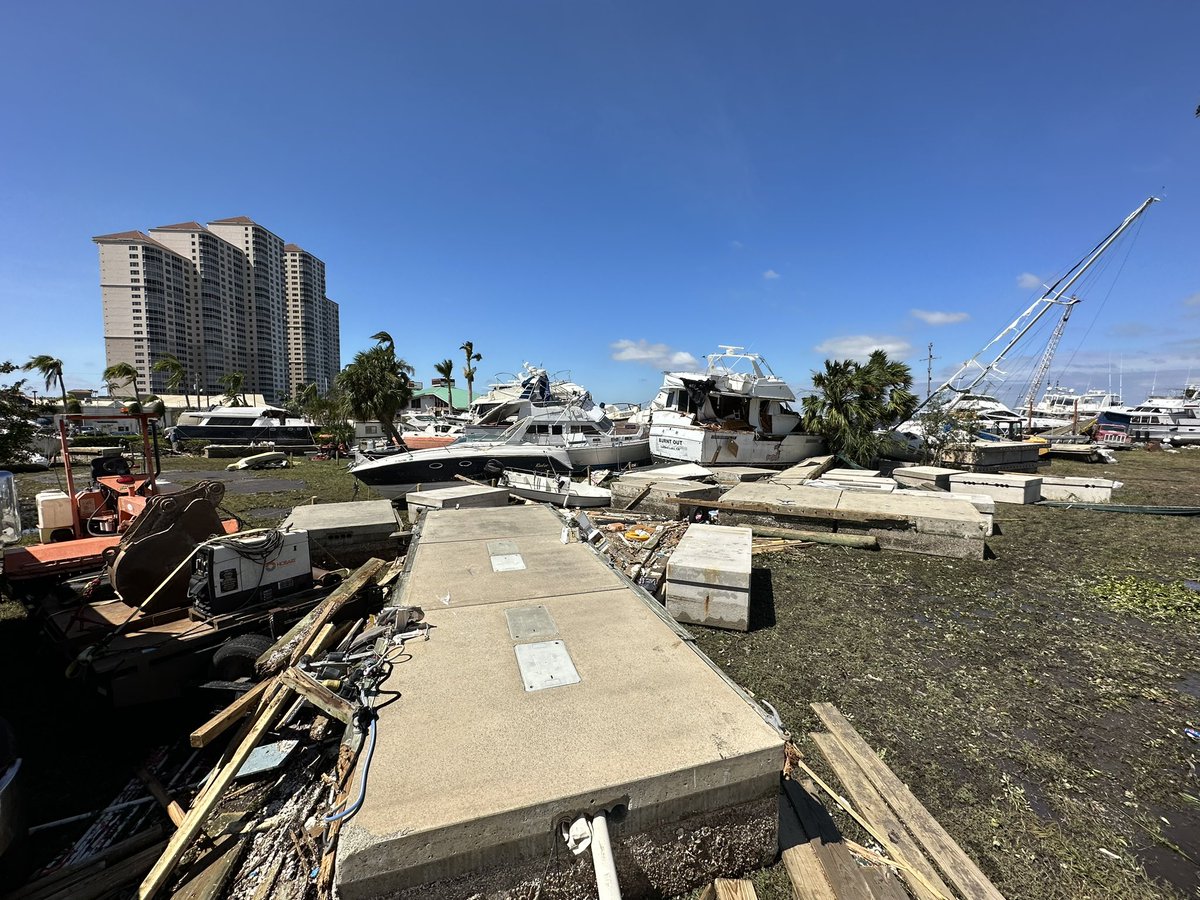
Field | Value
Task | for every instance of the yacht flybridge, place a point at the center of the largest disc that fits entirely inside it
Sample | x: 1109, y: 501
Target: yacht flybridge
x: 736, y: 412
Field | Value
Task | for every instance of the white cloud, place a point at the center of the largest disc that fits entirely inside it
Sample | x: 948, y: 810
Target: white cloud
x: 1027, y: 281
x: 934, y: 317
x: 859, y: 346
x: 658, y: 355
x: 737, y: 245
x: 1193, y: 300
x: 770, y: 275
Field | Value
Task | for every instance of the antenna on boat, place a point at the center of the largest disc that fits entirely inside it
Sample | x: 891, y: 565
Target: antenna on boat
x: 1021, y: 325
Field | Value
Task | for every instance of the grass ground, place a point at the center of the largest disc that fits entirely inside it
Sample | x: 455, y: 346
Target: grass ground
x: 1035, y: 702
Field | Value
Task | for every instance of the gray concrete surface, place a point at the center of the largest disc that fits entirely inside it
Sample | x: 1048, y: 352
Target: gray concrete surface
x: 348, y: 534
x: 473, y: 773
x: 459, y: 496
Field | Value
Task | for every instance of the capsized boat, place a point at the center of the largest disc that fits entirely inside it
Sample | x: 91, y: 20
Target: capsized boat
x: 736, y: 412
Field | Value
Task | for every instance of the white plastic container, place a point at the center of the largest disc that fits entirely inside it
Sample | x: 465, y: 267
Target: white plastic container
x: 54, y: 510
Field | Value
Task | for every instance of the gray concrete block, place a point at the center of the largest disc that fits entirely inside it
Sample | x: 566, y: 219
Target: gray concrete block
x: 927, y: 477
x: 1077, y: 490
x: 730, y: 475
x: 708, y: 577
x: 348, y: 534
x: 1003, y: 488
x: 465, y: 496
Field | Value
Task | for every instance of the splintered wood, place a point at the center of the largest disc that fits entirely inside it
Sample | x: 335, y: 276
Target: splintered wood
x: 915, y: 847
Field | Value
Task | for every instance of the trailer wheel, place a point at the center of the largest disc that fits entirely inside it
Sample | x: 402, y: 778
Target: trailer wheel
x: 236, y: 658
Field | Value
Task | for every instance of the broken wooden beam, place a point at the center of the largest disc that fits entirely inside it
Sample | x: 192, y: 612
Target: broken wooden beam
x: 884, y: 826
x: 229, y: 716
x: 174, y: 810
x: 318, y: 695
x: 858, y: 541
x: 959, y: 868
x: 278, y: 695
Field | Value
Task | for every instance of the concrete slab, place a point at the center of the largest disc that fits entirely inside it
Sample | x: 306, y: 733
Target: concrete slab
x: 843, y: 473
x: 708, y: 577
x: 348, y: 534
x: 730, y: 475
x: 926, y: 477
x: 1001, y: 488
x: 877, y: 485
x: 938, y: 524
x: 463, y: 496
x: 1077, y: 490
x: 992, y: 456
x: 659, y: 500
x: 471, y: 539
x: 473, y: 772
x: 673, y: 472
x: 984, y: 505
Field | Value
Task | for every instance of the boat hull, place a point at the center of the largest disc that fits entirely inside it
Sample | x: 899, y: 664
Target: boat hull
x: 398, y: 474
x: 711, y: 447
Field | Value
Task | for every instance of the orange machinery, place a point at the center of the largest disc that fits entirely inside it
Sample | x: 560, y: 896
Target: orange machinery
x: 100, y: 513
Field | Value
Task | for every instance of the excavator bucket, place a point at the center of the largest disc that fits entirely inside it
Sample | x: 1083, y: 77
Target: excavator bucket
x: 162, y: 537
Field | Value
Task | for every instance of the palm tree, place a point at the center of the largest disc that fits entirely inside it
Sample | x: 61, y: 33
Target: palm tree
x: 468, y: 348
x: 376, y: 385
x: 176, y: 376
x: 51, y: 370
x: 856, y: 401
x: 122, y: 375
x: 233, y: 382
x: 446, y: 369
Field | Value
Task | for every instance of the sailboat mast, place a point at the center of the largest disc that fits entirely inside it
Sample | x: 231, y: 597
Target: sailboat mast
x: 1052, y: 296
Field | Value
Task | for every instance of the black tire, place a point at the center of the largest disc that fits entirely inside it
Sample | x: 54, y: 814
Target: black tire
x: 236, y: 658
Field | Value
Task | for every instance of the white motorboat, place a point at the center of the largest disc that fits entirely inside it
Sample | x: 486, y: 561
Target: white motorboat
x: 736, y: 412
x: 553, y: 439
x: 242, y: 425
x: 560, y: 490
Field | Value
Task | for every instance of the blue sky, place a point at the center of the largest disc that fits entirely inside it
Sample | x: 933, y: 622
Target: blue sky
x: 566, y: 183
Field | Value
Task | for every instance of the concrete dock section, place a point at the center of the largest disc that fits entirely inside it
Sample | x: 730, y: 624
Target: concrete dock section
x: 458, y: 496
x: 550, y: 688
x: 941, y: 525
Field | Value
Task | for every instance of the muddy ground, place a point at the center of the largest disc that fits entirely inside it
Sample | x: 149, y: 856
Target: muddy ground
x: 1035, y: 701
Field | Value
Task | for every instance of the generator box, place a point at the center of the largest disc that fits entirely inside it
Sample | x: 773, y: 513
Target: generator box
x: 256, y: 569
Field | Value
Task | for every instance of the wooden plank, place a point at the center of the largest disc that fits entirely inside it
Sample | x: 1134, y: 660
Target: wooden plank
x: 734, y: 889
x: 341, y: 595
x: 806, y: 874
x: 859, y: 541
x: 174, y: 810
x: 115, y: 876
x: 883, y: 825
x: 85, y: 868
x: 845, y: 877
x: 319, y: 614
x: 318, y: 695
x: 222, y: 721
x: 206, y: 879
x: 278, y: 696
x: 960, y: 869
x: 642, y: 495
